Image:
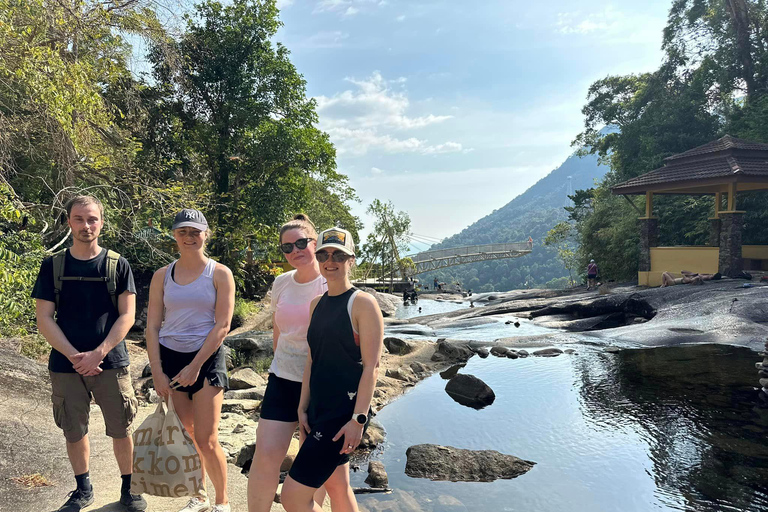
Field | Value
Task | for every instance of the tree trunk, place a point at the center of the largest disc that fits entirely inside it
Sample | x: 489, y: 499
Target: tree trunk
x: 741, y: 25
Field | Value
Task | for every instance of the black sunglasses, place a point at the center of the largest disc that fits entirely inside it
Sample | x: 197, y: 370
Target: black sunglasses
x: 300, y: 244
x: 337, y: 256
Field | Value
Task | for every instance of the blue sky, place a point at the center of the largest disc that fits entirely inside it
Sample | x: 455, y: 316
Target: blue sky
x: 450, y: 109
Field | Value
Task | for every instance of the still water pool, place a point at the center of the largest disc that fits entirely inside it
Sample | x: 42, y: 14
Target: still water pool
x: 659, y: 429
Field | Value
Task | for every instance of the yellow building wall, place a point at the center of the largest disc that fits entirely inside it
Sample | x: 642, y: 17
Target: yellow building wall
x: 755, y: 252
x: 704, y: 260
x: 674, y: 259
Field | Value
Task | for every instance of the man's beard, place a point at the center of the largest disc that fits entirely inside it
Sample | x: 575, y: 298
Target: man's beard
x: 86, y: 236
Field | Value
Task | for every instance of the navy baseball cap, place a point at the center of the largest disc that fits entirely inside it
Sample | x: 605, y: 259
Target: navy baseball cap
x: 189, y: 218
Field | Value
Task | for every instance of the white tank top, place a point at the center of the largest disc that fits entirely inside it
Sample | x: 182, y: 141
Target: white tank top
x: 189, y: 310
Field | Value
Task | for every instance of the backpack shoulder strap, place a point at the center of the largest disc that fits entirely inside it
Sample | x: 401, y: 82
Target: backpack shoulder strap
x: 112, y: 259
x: 59, y: 259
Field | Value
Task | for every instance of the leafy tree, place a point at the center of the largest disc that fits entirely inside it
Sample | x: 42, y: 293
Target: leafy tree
x: 561, y: 238
x: 391, y: 234
x: 247, y: 126
x: 712, y: 81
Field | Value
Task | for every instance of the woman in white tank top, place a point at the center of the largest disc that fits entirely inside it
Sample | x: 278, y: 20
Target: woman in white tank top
x: 292, y: 294
x: 190, y: 309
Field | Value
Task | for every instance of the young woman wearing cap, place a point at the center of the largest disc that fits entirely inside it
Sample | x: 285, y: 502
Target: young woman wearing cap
x: 292, y: 294
x: 345, y: 342
x: 190, y: 310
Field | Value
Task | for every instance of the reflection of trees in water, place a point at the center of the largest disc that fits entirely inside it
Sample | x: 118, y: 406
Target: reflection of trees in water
x: 696, y: 408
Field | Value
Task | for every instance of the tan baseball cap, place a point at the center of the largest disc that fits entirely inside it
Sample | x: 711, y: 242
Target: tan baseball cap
x: 337, y: 238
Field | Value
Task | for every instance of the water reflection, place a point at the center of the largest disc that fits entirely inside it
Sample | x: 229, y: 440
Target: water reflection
x: 697, y: 409
x: 661, y: 429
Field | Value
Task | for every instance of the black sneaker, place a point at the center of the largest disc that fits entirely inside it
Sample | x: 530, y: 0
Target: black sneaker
x: 133, y: 502
x: 77, y: 501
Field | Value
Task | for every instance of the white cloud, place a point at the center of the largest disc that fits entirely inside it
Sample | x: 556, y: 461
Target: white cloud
x: 362, y: 119
x: 373, y: 104
x: 376, y: 170
x: 345, y: 8
x: 401, y: 17
x: 282, y: 4
x: 357, y: 142
x: 610, y: 24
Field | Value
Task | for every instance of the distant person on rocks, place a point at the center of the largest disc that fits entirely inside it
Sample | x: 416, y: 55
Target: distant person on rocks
x: 435, y: 284
x: 190, y: 310
x: 292, y: 294
x: 86, y: 302
x: 345, y: 338
x: 530, y: 243
x: 667, y: 279
x: 591, y: 274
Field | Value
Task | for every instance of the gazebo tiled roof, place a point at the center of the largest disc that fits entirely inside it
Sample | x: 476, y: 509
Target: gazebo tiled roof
x: 722, y: 161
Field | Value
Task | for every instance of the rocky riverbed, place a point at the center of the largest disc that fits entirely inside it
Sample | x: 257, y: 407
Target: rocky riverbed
x: 721, y: 312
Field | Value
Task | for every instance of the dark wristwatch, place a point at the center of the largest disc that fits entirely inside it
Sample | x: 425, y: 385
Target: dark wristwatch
x: 360, y: 418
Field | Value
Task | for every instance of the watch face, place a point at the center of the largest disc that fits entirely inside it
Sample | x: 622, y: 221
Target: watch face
x: 361, y: 419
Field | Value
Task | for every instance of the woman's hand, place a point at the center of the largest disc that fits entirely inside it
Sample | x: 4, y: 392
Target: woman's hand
x: 162, y: 384
x: 187, y: 376
x: 304, y: 428
x: 352, y: 433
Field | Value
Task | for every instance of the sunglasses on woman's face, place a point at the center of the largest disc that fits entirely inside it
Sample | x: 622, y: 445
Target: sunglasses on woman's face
x: 300, y: 244
x: 336, y: 256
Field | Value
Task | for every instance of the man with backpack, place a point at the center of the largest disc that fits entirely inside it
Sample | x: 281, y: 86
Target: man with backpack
x: 86, y: 303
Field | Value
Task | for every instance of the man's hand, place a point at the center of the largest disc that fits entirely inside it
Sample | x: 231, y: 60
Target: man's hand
x: 87, y: 363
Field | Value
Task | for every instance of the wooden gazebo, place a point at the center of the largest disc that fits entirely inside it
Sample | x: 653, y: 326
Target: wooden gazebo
x: 721, y: 168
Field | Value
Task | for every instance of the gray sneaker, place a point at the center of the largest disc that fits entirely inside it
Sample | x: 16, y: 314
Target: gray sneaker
x: 196, y: 504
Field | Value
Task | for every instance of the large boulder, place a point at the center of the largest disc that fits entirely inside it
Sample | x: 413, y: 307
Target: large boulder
x: 387, y: 303
x: 548, y: 352
x: 413, y: 329
x: 373, y: 435
x: 449, y: 351
x: 404, y: 374
x: 238, y: 406
x: 377, y: 475
x: 256, y: 393
x: 451, y: 372
x: 457, y: 465
x: 470, y: 391
x: 398, y: 346
x: 251, y: 344
x: 246, y: 378
x: 499, y: 351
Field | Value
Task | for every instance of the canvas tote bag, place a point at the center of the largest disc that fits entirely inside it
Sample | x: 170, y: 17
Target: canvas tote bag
x: 165, y: 462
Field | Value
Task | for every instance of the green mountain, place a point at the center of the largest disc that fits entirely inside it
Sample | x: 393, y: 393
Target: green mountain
x: 533, y: 213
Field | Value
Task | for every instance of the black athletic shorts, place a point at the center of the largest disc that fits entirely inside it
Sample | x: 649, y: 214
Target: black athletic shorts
x: 319, y: 456
x: 281, y: 399
x: 214, y: 369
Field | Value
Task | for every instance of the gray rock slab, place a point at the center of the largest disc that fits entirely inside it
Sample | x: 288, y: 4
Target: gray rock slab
x: 458, y: 465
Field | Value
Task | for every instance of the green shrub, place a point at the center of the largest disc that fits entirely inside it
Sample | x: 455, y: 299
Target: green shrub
x: 243, y: 309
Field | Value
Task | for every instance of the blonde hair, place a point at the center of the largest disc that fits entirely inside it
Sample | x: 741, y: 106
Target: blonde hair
x: 302, y: 222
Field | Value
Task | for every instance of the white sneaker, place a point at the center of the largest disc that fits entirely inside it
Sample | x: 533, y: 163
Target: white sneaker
x: 196, y: 505
x: 221, y: 508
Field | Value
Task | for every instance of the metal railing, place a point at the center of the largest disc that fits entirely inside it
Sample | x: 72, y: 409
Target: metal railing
x: 470, y: 250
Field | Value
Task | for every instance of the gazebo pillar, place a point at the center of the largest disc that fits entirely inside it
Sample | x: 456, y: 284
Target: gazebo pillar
x: 714, y: 223
x: 649, y: 237
x: 649, y: 234
x: 730, y: 263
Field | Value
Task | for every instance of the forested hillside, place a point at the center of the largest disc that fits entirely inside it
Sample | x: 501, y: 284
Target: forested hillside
x: 532, y: 213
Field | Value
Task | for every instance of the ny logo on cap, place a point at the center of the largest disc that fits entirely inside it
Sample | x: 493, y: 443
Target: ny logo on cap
x: 191, y: 214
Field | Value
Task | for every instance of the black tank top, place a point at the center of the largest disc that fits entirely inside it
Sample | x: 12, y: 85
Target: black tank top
x: 337, y: 364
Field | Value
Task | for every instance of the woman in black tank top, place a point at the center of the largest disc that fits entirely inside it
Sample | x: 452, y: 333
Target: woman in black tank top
x: 345, y: 343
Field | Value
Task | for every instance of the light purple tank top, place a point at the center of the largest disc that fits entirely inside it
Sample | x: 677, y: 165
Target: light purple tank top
x: 189, y: 310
